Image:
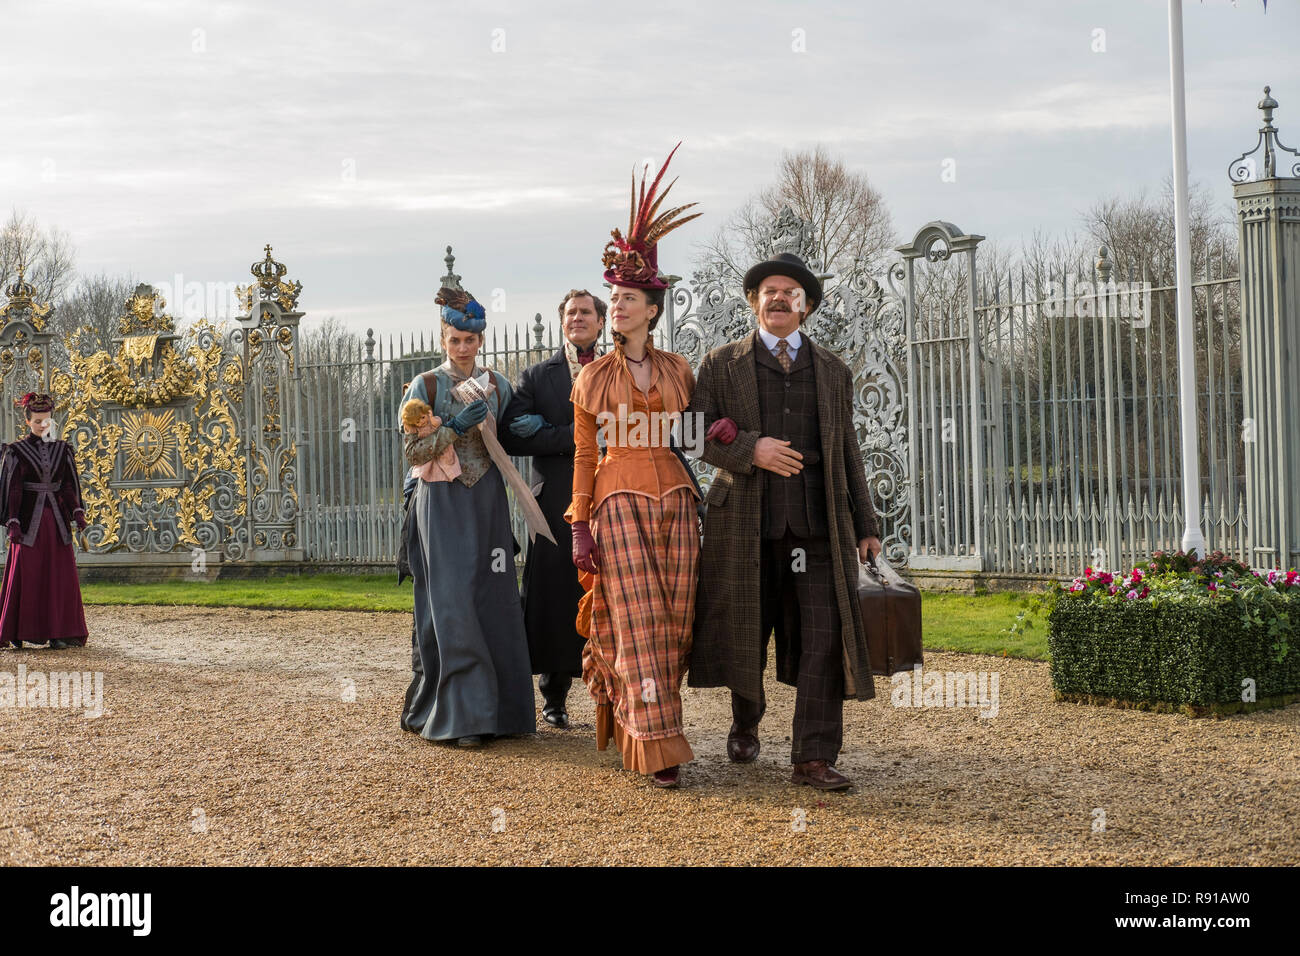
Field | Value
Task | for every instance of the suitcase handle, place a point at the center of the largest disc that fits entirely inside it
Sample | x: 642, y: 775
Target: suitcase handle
x: 884, y: 572
x: 875, y: 572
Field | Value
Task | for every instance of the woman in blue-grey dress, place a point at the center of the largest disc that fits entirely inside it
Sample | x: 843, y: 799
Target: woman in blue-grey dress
x: 472, y: 678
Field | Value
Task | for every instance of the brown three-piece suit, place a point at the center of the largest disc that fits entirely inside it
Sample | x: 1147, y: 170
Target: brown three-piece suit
x: 780, y: 553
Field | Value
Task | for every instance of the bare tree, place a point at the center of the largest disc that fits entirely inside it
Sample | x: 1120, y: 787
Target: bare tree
x: 849, y: 218
x: 96, y: 302
x: 328, y: 340
x: 338, y: 354
x: 1139, y: 232
x: 46, y: 257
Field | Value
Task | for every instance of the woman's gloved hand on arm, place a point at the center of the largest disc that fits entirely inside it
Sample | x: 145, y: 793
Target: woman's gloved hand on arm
x: 469, y: 416
x: 585, y: 555
x: 526, y: 426
x: 724, y: 430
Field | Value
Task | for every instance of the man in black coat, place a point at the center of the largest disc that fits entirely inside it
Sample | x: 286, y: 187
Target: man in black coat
x: 539, y: 422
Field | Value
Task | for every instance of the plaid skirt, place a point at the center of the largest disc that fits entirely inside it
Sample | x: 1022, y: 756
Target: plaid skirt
x: 642, y: 610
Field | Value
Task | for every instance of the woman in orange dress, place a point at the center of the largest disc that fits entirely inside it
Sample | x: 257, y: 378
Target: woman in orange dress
x: 634, y: 518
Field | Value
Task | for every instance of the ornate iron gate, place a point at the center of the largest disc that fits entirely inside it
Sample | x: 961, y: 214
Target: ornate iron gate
x: 947, y: 476
x: 859, y: 320
x: 186, y: 442
x: 24, y: 353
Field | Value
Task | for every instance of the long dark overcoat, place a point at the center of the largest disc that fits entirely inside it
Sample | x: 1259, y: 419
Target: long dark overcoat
x: 728, y: 634
x: 551, y: 590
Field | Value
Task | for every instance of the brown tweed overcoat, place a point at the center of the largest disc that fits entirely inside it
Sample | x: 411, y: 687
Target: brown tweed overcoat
x: 727, y: 614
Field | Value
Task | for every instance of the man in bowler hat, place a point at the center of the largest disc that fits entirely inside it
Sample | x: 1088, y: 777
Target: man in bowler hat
x: 789, y: 516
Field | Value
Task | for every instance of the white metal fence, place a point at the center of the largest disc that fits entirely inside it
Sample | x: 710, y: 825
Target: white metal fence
x: 350, y: 446
x: 1044, y: 413
x: 1082, y: 421
x: 1077, y: 459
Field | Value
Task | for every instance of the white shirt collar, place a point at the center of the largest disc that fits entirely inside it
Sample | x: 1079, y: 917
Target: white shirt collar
x: 793, y: 340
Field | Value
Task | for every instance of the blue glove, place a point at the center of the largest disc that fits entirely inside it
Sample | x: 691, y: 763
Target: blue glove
x: 526, y: 426
x: 473, y: 319
x: 468, y: 417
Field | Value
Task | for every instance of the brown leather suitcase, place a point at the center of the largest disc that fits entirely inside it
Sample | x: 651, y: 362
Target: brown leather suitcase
x: 891, y: 614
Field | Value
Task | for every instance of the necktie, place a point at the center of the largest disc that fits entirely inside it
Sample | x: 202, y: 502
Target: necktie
x: 783, y: 355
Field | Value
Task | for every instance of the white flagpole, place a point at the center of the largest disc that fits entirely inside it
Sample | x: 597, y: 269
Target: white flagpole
x: 1192, y: 537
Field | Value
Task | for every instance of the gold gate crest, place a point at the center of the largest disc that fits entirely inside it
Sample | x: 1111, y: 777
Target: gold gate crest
x: 168, y: 426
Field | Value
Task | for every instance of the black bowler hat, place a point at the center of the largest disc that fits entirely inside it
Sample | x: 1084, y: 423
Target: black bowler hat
x: 787, y: 264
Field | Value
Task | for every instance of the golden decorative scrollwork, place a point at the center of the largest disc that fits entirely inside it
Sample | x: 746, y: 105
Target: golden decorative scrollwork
x: 22, y: 304
x: 156, y: 442
x: 144, y: 313
x: 119, y: 386
x: 270, y: 286
x: 149, y: 440
x: 140, y: 348
x: 186, y: 441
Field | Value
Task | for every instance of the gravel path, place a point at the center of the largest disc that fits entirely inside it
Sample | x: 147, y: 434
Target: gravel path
x: 246, y: 737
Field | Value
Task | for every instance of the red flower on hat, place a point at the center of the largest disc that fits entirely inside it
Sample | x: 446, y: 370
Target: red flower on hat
x: 36, y: 402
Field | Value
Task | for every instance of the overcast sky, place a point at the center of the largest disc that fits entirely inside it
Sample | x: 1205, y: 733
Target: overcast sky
x: 361, y: 139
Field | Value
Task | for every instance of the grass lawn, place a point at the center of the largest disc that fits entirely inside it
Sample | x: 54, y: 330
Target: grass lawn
x: 951, y: 622
x: 321, y: 592
x: 976, y: 624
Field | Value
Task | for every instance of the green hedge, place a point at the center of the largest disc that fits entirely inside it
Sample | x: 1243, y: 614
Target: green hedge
x: 1190, y: 658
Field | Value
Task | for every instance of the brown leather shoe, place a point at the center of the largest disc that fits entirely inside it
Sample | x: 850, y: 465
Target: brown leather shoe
x: 821, y: 775
x: 743, y: 746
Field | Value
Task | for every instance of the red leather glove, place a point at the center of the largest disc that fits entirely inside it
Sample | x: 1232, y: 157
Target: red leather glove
x: 723, y: 430
x: 585, y: 555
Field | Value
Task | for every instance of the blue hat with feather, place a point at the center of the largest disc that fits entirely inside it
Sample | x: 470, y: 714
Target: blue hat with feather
x: 460, y: 310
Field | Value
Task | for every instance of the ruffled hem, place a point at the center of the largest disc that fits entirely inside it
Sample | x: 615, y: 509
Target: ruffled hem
x: 642, y: 756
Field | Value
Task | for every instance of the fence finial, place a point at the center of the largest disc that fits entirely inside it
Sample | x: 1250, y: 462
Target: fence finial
x: 1242, y: 169
x: 538, y: 331
x: 451, y: 280
x: 1104, y: 265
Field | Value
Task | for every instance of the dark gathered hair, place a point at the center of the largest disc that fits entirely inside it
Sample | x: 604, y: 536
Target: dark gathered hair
x: 655, y: 297
x: 34, y: 403
x: 601, y: 308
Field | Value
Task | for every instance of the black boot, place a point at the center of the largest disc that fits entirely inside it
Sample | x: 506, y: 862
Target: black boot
x: 555, y: 693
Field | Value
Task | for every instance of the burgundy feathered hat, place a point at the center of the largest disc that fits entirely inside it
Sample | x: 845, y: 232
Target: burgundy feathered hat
x: 633, y: 260
x: 35, y: 402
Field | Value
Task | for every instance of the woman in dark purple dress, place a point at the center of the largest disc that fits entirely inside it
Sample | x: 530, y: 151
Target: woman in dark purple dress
x: 41, y: 496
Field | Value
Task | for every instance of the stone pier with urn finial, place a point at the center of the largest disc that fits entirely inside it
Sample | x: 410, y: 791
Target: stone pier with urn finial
x: 1266, y: 186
